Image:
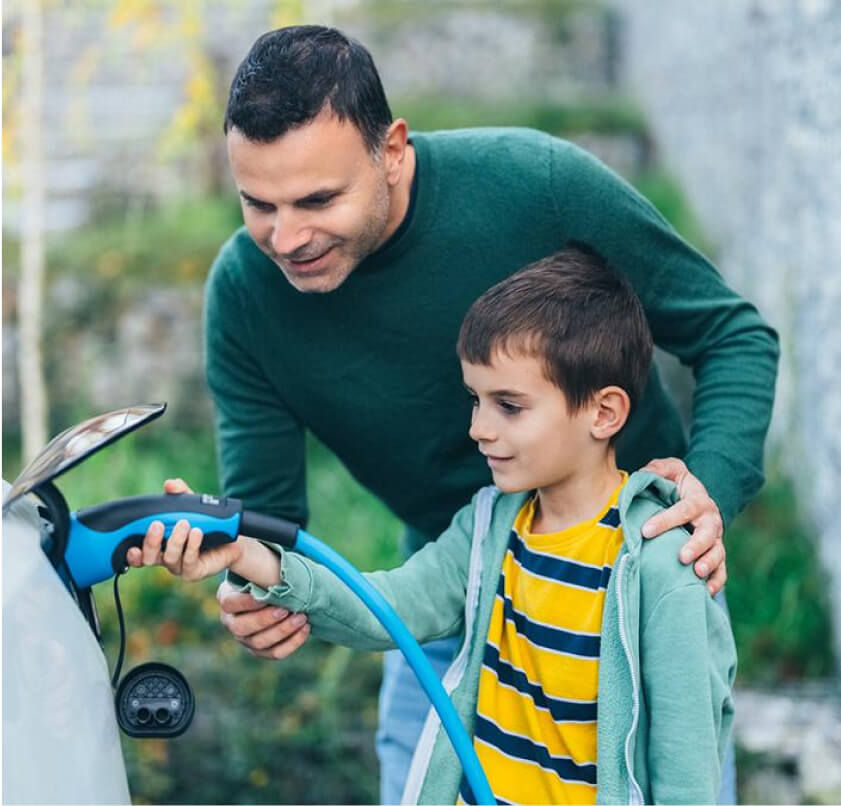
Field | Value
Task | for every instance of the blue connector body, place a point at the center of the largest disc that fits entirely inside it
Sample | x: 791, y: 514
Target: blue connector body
x: 100, y: 536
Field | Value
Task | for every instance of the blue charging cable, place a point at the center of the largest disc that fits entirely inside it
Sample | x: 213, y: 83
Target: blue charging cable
x: 316, y: 550
x: 99, y: 538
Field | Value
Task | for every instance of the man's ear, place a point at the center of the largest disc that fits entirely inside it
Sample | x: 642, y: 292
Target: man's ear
x: 394, y: 149
x: 611, y: 407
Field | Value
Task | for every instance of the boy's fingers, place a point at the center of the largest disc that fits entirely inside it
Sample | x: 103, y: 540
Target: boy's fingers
x: 273, y: 636
x: 191, y: 551
x: 175, y: 546
x: 151, y: 553
x: 134, y: 557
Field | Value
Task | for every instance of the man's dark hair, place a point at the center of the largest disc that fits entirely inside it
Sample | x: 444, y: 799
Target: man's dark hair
x: 573, y: 312
x: 290, y: 74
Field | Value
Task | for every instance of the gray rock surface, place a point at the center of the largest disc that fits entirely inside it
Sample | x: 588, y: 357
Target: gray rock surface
x: 795, y: 736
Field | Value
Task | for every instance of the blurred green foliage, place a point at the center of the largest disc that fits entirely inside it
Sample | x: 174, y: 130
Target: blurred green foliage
x: 776, y: 591
x: 603, y: 115
x: 301, y: 731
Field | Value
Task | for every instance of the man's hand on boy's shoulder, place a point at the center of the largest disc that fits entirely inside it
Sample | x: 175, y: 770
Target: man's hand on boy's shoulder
x: 706, y: 547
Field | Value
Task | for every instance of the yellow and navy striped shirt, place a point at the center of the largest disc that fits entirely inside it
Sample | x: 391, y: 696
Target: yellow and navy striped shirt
x: 538, y: 687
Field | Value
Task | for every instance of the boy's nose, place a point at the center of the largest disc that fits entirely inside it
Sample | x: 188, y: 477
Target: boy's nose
x: 480, y: 429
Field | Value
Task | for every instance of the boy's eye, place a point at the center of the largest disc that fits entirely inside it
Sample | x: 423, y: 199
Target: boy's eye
x: 509, y: 408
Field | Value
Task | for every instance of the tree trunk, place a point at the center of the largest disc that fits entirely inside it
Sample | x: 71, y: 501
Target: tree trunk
x: 33, y: 396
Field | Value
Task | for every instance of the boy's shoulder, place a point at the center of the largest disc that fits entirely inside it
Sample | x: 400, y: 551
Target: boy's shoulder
x: 661, y: 571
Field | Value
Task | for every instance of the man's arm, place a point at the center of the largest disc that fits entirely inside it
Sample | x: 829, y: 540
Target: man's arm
x: 732, y: 351
x: 260, y: 446
x: 260, y: 443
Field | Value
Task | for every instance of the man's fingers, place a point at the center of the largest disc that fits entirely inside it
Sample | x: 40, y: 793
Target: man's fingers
x: 175, y: 486
x: 676, y: 515
x: 669, y: 468
x: 246, y: 625
x: 134, y: 557
x: 708, y: 561
x: 233, y: 602
x: 271, y: 637
x: 717, y: 579
x: 285, y: 649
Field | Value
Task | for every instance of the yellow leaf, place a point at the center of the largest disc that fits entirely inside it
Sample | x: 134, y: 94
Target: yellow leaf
x: 258, y: 777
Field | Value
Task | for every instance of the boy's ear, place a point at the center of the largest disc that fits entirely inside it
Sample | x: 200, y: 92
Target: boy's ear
x: 611, y: 409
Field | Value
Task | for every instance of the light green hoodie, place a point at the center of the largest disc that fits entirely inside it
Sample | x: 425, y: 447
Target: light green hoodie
x: 667, y: 655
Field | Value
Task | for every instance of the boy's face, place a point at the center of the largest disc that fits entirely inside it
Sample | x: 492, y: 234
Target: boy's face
x: 523, y: 425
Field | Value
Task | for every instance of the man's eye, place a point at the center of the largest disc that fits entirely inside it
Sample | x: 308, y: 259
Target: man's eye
x: 317, y: 201
x: 263, y: 207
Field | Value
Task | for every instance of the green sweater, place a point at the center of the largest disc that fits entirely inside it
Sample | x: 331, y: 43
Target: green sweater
x: 371, y: 368
x: 666, y: 665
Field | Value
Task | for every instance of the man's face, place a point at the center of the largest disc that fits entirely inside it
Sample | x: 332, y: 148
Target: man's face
x: 523, y: 425
x: 315, y: 200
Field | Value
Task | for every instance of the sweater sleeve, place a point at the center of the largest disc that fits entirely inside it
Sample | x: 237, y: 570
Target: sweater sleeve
x: 688, y: 663
x: 260, y: 443
x: 427, y: 592
x: 693, y: 315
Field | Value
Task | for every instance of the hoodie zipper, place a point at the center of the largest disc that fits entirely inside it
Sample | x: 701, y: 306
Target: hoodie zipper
x: 635, y: 795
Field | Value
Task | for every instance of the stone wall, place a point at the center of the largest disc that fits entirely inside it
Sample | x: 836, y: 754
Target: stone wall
x: 744, y: 99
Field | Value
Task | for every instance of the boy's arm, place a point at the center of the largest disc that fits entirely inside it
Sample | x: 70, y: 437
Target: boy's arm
x: 427, y: 592
x: 688, y: 662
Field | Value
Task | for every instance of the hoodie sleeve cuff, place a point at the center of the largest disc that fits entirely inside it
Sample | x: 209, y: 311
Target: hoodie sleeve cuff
x: 293, y: 591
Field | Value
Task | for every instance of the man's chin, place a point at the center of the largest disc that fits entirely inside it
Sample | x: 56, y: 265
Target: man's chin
x: 316, y: 282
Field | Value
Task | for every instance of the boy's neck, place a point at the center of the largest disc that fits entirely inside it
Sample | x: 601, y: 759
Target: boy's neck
x: 577, y: 498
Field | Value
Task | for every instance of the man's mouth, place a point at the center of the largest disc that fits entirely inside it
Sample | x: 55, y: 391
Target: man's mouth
x: 307, y: 265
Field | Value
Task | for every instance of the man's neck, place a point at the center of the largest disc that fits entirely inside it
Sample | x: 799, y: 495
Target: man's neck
x: 400, y: 196
x: 579, y: 497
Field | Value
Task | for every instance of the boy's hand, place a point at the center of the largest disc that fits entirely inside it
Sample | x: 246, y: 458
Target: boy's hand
x: 706, y: 546
x: 181, y: 554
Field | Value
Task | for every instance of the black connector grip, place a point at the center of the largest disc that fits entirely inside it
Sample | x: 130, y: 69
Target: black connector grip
x: 271, y: 530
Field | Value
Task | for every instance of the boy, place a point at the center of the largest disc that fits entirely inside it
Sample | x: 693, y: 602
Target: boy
x: 579, y: 635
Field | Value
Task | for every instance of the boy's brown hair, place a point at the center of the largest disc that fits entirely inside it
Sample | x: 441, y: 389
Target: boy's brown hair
x: 576, y: 314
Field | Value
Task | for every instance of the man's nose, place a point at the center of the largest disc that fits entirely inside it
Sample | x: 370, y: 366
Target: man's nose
x: 289, y: 234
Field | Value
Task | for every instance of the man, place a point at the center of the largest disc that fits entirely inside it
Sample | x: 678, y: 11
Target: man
x: 336, y: 310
